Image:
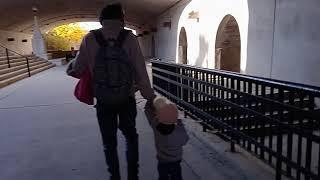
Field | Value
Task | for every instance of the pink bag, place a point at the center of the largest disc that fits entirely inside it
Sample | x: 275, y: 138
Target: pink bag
x: 83, y: 91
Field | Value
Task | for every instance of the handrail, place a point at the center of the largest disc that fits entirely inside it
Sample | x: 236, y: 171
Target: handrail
x: 298, y: 86
x: 276, y: 121
x: 8, y: 59
x: 13, y: 51
x: 22, y: 56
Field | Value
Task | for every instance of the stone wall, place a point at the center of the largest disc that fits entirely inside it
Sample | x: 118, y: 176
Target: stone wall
x: 145, y: 42
x: 297, y: 41
x: 279, y: 38
x: 19, y: 45
x: 201, y: 32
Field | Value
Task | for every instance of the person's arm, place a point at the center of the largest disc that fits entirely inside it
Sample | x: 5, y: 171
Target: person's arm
x: 184, y: 138
x: 80, y: 63
x: 142, y: 78
x: 150, y: 115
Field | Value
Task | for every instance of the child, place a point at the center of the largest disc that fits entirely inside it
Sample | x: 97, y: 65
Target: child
x: 170, y: 136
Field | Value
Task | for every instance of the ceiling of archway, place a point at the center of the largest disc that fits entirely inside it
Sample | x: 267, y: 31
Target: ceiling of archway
x: 16, y: 15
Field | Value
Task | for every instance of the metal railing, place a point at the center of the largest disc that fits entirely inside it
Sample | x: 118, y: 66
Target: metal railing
x: 276, y: 121
x: 11, y: 55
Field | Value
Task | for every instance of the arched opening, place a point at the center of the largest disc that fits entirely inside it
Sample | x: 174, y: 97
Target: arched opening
x: 228, y: 45
x: 183, y: 47
x: 63, y: 39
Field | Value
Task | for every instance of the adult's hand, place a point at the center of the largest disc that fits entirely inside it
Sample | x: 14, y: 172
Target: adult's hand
x: 70, y: 71
x: 149, y: 103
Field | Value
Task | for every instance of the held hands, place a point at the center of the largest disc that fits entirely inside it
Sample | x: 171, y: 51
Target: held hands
x: 149, y: 104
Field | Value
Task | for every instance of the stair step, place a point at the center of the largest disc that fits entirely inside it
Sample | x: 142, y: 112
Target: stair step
x: 21, y: 71
x: 23, y: 76
x: 16, y: 68
x: 16, y: 60
x: 4, y: 57
x: 5, y: 66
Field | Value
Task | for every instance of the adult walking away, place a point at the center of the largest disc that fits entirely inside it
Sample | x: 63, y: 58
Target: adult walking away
x: 114, y: 58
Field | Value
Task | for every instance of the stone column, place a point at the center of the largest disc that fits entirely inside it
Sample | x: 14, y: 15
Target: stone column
x: 38, y: 44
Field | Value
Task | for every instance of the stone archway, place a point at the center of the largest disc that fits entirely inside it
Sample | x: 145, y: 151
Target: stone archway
x: 228, y: 45
x: 183, y: 47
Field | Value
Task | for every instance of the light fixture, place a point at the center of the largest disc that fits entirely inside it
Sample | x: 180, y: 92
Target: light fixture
x: 34, y: 9
x: 167, y: 24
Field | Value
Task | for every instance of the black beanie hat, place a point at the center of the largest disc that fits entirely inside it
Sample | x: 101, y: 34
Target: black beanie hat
x: 112, y: 11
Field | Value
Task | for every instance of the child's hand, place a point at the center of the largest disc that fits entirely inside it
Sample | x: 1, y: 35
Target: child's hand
x: 149, y: 105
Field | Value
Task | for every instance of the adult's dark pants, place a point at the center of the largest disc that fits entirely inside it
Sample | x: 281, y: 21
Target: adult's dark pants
x: 111, y: 118
x: 170, y: 171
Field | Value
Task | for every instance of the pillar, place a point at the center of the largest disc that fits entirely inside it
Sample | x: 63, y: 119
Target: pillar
x: 38, y: 44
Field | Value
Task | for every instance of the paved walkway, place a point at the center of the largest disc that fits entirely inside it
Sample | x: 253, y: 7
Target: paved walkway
x: 47, y: 135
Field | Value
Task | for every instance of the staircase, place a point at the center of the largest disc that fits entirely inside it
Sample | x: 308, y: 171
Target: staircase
x: 14, y: 67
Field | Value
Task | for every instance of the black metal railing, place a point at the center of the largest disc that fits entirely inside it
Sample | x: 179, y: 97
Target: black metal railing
x: 277, y: 121
x: 11, y: 55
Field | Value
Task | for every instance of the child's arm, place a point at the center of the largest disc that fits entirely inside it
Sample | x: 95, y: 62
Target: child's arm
x: 150, y: 116
x: 183, y: 133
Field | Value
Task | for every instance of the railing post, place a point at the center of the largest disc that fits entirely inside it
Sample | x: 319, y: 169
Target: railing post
x: 279, y: 137
x: 28, y: 67
x: 232, y: 145
x: 204, y: 127
x: 7, y: 54
x: 279, y: 153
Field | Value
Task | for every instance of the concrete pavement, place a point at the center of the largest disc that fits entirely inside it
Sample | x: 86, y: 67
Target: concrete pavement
x: 46, y: 134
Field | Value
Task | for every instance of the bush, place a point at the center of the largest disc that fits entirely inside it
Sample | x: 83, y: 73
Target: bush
x: 64, y: 37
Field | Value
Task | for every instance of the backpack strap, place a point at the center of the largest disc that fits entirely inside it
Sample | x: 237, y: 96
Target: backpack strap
x: 122, y: 36
x: 99, y: 37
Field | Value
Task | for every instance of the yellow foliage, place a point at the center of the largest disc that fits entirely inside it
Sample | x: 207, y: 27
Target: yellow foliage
x: 65, y: 36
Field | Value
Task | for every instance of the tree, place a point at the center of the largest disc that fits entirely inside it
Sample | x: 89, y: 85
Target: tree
x: 64, y: 37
